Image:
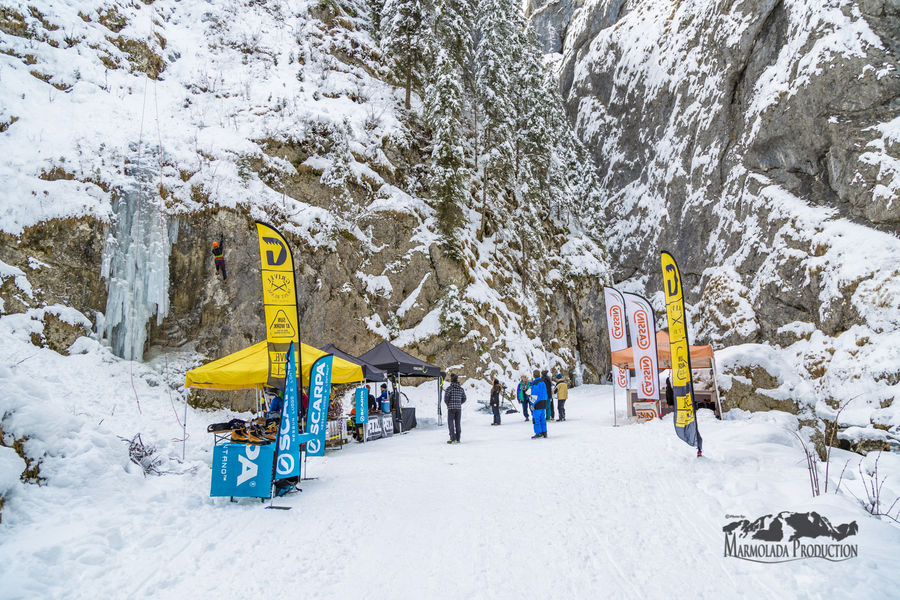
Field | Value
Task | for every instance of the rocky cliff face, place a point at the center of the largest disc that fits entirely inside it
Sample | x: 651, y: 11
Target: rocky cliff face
x: 381, y: 280
x: 378, y: 281
x: 760, y: 143
x: 146, y: 131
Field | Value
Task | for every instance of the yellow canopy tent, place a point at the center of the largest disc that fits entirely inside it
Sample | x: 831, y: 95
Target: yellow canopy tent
x: 248, y: 369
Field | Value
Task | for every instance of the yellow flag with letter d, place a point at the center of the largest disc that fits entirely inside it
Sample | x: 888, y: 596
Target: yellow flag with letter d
x: 682, y: 382
x: 279, y: 300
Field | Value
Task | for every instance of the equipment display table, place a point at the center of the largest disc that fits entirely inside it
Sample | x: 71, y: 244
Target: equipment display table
x: 380, y: 425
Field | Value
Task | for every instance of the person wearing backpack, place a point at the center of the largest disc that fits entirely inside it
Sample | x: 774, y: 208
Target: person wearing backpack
x: 539, y: 405
x: 495, y: 401
x: 454, y: 398
x: 522, y: 392
x: 218, y: 252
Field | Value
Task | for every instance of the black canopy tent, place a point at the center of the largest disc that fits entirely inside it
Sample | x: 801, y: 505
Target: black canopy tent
x: 370, y: 371
x: 397, y: 363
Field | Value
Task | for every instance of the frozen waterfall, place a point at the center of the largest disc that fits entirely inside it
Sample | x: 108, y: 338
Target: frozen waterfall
x: 136, y: 266
x: 578, y: 373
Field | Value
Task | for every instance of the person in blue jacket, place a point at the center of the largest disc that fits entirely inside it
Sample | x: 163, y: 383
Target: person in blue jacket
x: 276, y: 403
x: 384, y: 396
x: 539, y: 405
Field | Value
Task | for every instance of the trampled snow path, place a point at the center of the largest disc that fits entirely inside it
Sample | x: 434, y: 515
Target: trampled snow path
x: 592, y: 512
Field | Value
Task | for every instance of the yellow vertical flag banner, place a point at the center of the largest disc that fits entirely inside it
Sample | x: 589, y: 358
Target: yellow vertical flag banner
x: 682, y: 382
x: 279, y: 300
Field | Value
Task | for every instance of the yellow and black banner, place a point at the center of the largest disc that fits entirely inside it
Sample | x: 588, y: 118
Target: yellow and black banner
x: 682, y: 382
x: 279, y: 300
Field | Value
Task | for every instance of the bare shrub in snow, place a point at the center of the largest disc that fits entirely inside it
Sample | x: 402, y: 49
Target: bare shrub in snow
x: 873, y: 483
x: 812, y: 465
x: 144, y: 456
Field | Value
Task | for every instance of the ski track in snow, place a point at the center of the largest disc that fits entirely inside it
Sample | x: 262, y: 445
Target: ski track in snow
x: 593, y: 511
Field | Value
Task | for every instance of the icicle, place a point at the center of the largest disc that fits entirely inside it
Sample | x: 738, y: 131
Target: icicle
x: 136, y: 266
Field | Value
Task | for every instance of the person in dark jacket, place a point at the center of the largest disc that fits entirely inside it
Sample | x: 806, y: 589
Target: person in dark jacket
x: 539, y: 405
x: 218, y: 251
x: 303, y: 408
x: 454, y: 398
x: 522, y: 393
x: 549, y: 384
x: 562, y: 394
x: 670, y: 393
x: 373, y: 403
x: 495, y: 401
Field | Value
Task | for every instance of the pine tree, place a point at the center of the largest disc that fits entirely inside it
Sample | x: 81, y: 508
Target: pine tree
x: 336, y: 174
x: 494, y: 60
x: 374, y: 9
x: 448, y: 176
x: 445, y: 105
x: 453, y: 24
x: 534, y: 121
x: 405, y: 39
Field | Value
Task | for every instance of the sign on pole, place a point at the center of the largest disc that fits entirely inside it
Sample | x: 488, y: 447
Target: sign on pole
x: 279, y: 299
x: 287, y: 461
x: 615, y: 325
x: 682, y: 382
x: 642, y: 323
x: 362, y: 405
x: 319, y: 396
x: 618, y: 340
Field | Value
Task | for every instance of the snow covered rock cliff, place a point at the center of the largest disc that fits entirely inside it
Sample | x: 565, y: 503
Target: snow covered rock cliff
x: 759, y: 141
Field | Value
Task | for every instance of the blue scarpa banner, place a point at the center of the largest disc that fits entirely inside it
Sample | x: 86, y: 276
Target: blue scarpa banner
x: 242, y: 470
x: 319, y: 395
x: 362, y: 405
x: 287, y: 461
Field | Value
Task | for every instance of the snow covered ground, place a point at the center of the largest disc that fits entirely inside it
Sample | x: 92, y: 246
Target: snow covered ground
x: 593, y: 511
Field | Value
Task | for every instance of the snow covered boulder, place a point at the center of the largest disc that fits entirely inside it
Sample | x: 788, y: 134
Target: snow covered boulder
x: 863, y: 440
x: 757, y: 377
x: 62, y: 326
x: 726, y: 315
x: 11, y: 468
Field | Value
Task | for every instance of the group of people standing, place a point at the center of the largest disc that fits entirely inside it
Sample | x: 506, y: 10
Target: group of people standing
x: 536, y: 396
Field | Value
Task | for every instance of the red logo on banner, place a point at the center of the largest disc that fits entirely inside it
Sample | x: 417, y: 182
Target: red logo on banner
x: 646, y: 368
x: 618, y: 325
x: 642, y: 321
x: 645, y: 414
x: 622, y: 375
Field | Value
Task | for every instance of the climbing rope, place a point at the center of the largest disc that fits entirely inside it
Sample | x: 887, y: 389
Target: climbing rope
x: 163, y: 235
